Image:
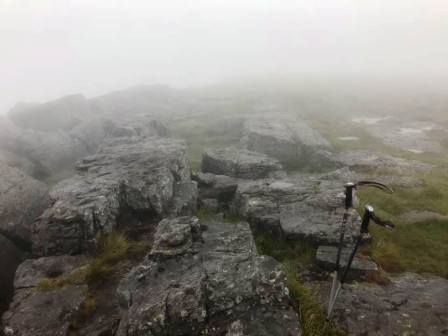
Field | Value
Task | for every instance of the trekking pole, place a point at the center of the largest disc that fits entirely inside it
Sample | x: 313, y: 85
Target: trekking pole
x: 368, y: 216
x: 346, y: 220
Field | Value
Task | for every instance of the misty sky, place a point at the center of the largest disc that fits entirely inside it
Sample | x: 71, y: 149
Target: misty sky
x: 49, y: 48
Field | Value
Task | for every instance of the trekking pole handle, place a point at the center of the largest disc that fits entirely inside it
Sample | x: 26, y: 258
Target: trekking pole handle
x: 368, y: 214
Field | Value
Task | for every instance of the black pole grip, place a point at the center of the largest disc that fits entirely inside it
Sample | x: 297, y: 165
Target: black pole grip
x: 368, y: 214
x: 349, y: 195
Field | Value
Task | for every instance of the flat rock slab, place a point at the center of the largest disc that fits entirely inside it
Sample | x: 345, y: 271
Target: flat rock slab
x: 290, y: 141
x: 206, y: 279
x: 299, y: 207
x: 239, y: 163
x: 136, y: 175
x: 326, y: 258
x: 411, y: 305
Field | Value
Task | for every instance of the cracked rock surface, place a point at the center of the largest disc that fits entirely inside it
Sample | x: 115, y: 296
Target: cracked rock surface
x: 291, y: 141
x: 411, y: 305
x: 298, y: 207
x: 239, y: 163
x: 134, y: 175
x: 205, y: 279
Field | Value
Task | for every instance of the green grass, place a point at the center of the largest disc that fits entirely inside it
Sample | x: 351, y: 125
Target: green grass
x: 114, y: 248
x: 291, y: 254
x: 418, y: 247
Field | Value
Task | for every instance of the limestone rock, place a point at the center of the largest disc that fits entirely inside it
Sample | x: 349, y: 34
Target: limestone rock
x: 32, y: 271
x: 22, y: 200
x: 291, y: 142
x: 239, y: 163
x: 411, y: 305
x: 299, y: 207
x: 139, y: 175
x: 326, y: 258
x: 43, y: 313
x: 212, y: 284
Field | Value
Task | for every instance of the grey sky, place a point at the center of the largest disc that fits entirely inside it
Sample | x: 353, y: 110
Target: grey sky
x: 54, y: 47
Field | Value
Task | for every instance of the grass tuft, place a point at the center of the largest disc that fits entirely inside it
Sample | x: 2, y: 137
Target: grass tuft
x: 114, y: 248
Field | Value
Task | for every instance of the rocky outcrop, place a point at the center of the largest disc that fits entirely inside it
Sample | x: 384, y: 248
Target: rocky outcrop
x: 32, y: 271
x: 239, y: 163
x: 208, y: 282
x: 326, y: 259
x: 61, y: 114
x: 35, y: 311
x: 22, y: 200
x: 411, y: 305
x: 219, y: 187
x: 309, y: 207
x: 291, y: 142
x: 54, y: 152
x: 139, y: 176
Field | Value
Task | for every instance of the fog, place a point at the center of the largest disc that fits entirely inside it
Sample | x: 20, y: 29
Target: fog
x: 51, y: 48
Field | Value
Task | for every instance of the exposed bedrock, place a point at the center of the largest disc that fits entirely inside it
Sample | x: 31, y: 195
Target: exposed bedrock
x: 37, y: 312
x: 326, y: 258
x: 143, y: 177
x: 292, y: 142
x: 205, y: 279
x: 49, y: 153
x: 301, y: 206
x: 240, y: 163
x: 411, y: 305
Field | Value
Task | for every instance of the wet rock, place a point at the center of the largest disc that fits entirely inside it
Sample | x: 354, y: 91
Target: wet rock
x: 291, y: 142
x: 326, y: 259
x: 213, y: 284
x: 61, y: 114
x: 139, y: 175
x: 411, y: 305
x: 219, y: 187
x: 185, y: 198
x: 54, y: 152
x: 299, y: 207
x: 43, y: 313
x: 32, y: 271
x: 239, y: 163
x: 22, y: 200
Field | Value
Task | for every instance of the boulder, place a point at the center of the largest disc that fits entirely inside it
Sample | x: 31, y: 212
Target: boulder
x: 142, y: 176
x: 61, y: 114
x: 239, y: 163
x: 43, y: 313
x: 326, y: 259
x: 292, y: 141
x: 205, y: 283
x: 219, y: 187
x: 411, y: 305
x: 22, y: 200
x: 298, y: 207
